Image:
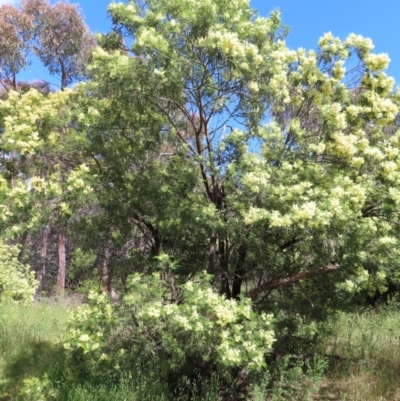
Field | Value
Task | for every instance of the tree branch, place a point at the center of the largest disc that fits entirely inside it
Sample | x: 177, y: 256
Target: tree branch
x: 276, y: 283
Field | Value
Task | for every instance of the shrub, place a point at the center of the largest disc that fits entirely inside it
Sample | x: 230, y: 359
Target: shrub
x: 188, y: 329
x: 17, y: 282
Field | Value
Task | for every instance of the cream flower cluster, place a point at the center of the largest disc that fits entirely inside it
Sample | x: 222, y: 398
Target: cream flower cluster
x: 377, y: 62
x: 204, y: 323
x: 23, y: 112
x: 332, y: 45
x: 362, y: 44
x: 149, y: 37
x: 17, y: 282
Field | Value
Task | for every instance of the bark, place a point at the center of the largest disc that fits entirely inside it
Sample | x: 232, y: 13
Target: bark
x: 224, y: 265
x: 105, y: 274
x: 277, y: 283
x: 211, y: 254
x: 239, y: 271
x: 225, y: 290
x: 156, y: 245
x: 43, y: 258
x: 62, y: 261
x: 22, y: 243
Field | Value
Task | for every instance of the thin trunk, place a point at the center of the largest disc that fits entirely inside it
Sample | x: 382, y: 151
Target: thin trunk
x: 105, y: 275
x: 224, y: 265
x: 239, y: 271
x: 43, y: 258
x: 211, y: 254
x: 22, y: 244
x: 62, y: 261
x: 225, y: 289
x: 156, y: 245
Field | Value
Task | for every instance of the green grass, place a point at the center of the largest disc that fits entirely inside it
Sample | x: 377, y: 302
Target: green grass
x: 364, y: 363
x: 27, y: 336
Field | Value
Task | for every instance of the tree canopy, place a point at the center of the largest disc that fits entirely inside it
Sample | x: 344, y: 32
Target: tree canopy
x: 201, y: 140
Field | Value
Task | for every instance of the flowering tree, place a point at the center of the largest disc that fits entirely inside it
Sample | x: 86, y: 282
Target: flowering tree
x: 281, y: 164
x: 208, y: 144
x: 58, y: 36
x: 17, y: 282
x: 49, y: 182
x: 227, y: 150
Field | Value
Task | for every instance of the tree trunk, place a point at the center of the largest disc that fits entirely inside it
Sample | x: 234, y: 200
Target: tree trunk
x: 62, y: 261
x: 239, y: 271
x: 24, y: 240
x: 224, y: 266
x: 43, y: 258
x: 211, y: 254
x: 105, y: 274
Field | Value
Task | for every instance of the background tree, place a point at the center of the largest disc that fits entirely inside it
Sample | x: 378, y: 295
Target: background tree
x: 61, y: 39
x: 15, y: 33
x: 58, y: 36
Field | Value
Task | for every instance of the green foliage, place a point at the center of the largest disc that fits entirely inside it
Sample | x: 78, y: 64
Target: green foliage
x: 276, y: 171
x: 291, y: 378
x: 143, y: 149
x: 36, y: 389
x: 363, y: 364
x: 81, y: 265
x: 17, y: 282
x: 364, y: 354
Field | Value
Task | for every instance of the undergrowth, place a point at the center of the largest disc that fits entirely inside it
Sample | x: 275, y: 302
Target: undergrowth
x: 28, y: 333
x: 360, y: 362
x: 365, y: 356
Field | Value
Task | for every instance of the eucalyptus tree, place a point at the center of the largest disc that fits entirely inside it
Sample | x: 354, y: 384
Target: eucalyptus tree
x: 56, y: 34
x: 15, y: 34
x: 60, y: 38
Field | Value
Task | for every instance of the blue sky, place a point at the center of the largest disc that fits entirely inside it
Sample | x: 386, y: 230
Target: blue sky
x: 308, y: 20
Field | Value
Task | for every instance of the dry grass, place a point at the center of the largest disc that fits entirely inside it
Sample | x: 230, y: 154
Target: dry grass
x: 366, y: 362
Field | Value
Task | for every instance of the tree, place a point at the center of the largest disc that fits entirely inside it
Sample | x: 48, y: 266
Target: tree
x: 271, y: 203
x: 15, y: 33
x: 58, y: 36
x: 207, y: 145
x: 214, y: 143
x: 61, y: 39
x: 49, y: 187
